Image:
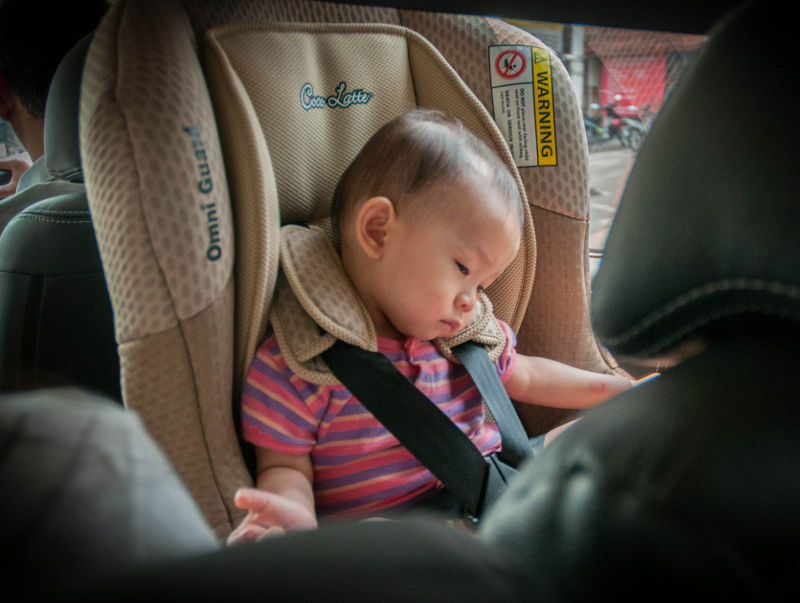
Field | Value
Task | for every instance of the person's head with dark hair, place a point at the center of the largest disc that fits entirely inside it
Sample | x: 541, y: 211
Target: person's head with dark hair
x: 34, y: 37
x: 428, y: 216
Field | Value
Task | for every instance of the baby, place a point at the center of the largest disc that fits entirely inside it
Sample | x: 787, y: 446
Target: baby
x: 428, y: 218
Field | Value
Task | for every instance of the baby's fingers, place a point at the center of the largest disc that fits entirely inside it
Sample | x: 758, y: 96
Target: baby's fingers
x: 250, y: 499
x: 251, y: 532
x: 269, y: 509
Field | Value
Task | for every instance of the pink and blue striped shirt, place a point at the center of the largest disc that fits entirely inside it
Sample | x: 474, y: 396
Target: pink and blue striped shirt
x: 359, y: 467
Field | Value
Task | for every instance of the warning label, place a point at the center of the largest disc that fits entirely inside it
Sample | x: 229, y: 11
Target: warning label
x: 522, y: 98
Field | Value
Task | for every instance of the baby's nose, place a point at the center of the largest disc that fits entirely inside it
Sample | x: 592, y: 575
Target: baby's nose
x: 465, y: 301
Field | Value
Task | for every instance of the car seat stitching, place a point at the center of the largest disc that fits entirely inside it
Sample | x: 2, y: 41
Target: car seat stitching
x: 82, y: 212
x: 704, y: 291
x: 35, y: 218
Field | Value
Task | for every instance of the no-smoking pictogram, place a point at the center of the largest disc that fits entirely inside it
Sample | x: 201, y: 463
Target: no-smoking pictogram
x: 509, y: 64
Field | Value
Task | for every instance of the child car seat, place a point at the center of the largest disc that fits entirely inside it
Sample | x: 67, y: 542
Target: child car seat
x: 198, y: 117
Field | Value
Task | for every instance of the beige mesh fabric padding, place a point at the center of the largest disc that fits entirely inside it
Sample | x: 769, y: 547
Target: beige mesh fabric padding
x: 307, y: 61
x: 150, y: 146
x: 159, y: 200
x: 315, y: 276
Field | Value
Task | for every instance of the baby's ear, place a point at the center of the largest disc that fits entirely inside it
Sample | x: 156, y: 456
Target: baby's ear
x: 374, y: 219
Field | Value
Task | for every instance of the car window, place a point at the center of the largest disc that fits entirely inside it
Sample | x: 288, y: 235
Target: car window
x: 621, y: 78
x: 9, y: 144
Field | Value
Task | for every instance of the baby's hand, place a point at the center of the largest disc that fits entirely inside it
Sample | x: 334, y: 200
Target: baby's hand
x: 268, y: 514
x: 603, y: 386
x: 611, y: 385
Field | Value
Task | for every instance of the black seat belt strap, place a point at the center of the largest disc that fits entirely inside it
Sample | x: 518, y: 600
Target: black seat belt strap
x: 516, y: 445
x: 414, y: 420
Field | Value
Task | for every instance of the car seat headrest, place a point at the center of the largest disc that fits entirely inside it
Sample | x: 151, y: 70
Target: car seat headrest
x: 312, y: 74
x: 707, y: 226
x: 61, y: 144
x: 325, y: 90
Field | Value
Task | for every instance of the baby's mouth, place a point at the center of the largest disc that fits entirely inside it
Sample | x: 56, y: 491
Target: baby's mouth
x: 453, y: 326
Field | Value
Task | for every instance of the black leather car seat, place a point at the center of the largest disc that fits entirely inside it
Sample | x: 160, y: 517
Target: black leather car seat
x: 688, y: 484
x: 56, y: 324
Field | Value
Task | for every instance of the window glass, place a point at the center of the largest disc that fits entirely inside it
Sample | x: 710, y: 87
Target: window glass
x: 9, y: 145
x: 621, y: 78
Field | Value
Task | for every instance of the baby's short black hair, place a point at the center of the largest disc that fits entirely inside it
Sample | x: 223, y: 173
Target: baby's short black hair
x: 416, y: 150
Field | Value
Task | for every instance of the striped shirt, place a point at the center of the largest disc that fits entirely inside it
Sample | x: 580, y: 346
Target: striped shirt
x: 359, y: 466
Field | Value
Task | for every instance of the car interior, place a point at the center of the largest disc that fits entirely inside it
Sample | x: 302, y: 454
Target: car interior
x: 205, y: 126
x: 204, y: 319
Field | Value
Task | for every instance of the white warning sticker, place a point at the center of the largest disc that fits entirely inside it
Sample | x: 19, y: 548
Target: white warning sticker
x: 522, y: 98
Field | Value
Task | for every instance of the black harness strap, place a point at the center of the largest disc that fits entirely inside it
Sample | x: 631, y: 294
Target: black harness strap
x: 411, y: 417
x: 516, y: 445
x: 422, y: 427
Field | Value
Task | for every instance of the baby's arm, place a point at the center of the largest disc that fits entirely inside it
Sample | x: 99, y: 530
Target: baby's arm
x: 546, y: 382
x: 283, y: 500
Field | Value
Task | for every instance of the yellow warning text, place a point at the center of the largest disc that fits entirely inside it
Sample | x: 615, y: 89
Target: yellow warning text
x: 543, y: 101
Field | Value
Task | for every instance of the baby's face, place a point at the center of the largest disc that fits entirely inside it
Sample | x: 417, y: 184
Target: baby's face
x: 434, y: 269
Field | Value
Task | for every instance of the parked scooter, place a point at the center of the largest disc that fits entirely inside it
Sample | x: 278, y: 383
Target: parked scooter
x: 628, y: 129
x: 632, y: 132
x: 635, y: 124
x: 596, y: 134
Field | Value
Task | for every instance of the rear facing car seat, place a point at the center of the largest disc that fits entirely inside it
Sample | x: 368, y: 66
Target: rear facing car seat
x: 191, y: 133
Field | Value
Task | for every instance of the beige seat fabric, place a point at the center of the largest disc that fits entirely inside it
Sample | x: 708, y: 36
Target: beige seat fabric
x: 193, y: 124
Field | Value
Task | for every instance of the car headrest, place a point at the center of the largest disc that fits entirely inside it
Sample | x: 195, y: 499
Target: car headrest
x: 61, y: 145
x: 707, y: 226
